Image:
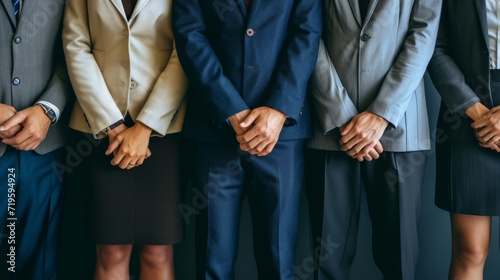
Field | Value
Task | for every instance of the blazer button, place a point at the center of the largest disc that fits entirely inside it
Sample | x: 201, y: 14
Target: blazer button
x: 16, y: 81
x: 365, y: 37
x: 250, y: 32
x: 18, y: 40
x: 133, y: 84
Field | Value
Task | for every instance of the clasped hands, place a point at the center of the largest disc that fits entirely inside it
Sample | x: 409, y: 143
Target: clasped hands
x: 129, y: 145
x: 361, y: 136
x: 258, y: 130
x: 23, y: 130
x: 487, y: 126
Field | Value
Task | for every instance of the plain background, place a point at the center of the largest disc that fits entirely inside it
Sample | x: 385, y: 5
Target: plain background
x: 78, y: 256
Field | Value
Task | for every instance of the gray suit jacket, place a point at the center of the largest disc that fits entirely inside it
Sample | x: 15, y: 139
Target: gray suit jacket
x: 32, y: 52
x: 376, y: 66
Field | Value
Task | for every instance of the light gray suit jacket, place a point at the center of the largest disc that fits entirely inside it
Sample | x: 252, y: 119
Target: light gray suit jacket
x: 376, y: 66
x: 31, y: 51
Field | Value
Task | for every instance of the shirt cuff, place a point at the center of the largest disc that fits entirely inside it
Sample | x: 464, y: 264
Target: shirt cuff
x: 52, y: 107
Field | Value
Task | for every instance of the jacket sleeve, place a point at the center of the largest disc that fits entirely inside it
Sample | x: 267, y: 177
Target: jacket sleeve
x: 409, y: 68
x: 445, y: 74
x: 201, y: 63
x: 58, y: 92
x: 298, y: 58
x: 166, y: 97
x: 330, y: 100
x: 90, y: 88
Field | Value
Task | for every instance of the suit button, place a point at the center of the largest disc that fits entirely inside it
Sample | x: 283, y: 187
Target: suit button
x: 18, y: 40
x: 16, y: 81
x: 365, y: 37
x: 250, y: 32
x: 133, y: 84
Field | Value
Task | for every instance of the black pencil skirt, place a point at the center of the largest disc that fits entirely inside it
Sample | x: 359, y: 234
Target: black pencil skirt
x: 137, y: 206
x: 468, y: 175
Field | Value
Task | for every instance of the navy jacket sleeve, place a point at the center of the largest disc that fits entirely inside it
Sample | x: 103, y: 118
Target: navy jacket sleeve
x: 200, y: 62
x: 298, y: 58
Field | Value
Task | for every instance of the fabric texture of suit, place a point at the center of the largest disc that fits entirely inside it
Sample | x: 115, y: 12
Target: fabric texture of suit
x: 237, y: 58
x: 115, y: 67
x: 250, y: 57
x: 375, y: 66
x: 31, y: 52
x: 460, y: 67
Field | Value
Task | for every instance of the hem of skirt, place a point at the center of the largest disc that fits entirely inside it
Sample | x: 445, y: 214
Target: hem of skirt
x: 164, y: 241
x: 467, y: 211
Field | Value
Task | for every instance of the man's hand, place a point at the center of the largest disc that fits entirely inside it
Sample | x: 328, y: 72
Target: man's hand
x: 236, y: 120
x: 7, y: 112
x: 363, y: 134
x: 373, y: 153
x: 132, y: 145
x: 264, y: 126
x: 35, y: 125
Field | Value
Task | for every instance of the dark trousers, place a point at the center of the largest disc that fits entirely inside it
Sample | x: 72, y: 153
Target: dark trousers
x: 392, y: 184
x: 225, y: 175
x: 36, y: 214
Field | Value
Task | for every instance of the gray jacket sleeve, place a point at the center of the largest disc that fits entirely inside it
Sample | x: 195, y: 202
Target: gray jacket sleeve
x: 408, y: 70
x: 331, y: 102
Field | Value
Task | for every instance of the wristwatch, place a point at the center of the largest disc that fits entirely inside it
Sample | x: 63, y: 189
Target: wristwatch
x: 49, y: 112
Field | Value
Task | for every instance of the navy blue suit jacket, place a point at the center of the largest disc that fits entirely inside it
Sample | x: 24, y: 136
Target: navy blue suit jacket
x: 239, y: 58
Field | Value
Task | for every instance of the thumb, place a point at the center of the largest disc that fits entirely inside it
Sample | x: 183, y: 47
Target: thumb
x: 250, y: 119
x: 18, y: 118
x: 148, y: 153
x: 348, y: 127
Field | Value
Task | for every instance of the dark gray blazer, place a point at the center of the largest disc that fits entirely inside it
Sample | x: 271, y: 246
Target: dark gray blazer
x: 32, y: 52
x: 460, y: 67
x: 375, y: 65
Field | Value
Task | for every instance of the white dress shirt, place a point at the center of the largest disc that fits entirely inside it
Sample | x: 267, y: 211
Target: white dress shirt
x: 493, y: 15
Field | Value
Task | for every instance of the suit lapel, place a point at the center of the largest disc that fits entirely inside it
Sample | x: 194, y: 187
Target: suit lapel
x: 27, y: 7
x: 243, y: 8
x: 481, y: 10
x: 253, y: 8
x: 9, y: 9
x: 371, y: 9
x: 355, y: 9
x: 119, y: 6
x: 138, y: 7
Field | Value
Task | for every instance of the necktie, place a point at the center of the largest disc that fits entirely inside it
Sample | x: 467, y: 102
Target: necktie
x: 16, y: 4
x: 363, y: 8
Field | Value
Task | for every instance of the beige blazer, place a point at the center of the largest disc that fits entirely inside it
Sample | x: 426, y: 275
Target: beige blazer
x: 118, y: 65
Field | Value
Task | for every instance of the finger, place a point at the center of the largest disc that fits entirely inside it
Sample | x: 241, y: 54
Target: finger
x: 373, y: 153
x: 493, y: 140
x: 131, y: 165
x: 483, y: 131
x: 124, y: 163
x: 353, y: 142
x: 355, y: 146
x: 118, y: 158
x: 18, y: 118
x: 24, y: 145
x: 148, y: 153
x: 259, y: 148
x: 481, y: 122
x: 247, y: 147
x: 488, y: 136
x: 267, y: 150
x: 140, y: 161
x: 248, y: 136
x: 250, y: 119
x: 349, y: 127
x: 379, y: 148
x: 19, y: 138
x: 114, y: 145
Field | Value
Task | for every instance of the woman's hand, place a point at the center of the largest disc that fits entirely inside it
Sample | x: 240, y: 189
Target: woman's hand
x: 488, y: 129
x: 132, y: 144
